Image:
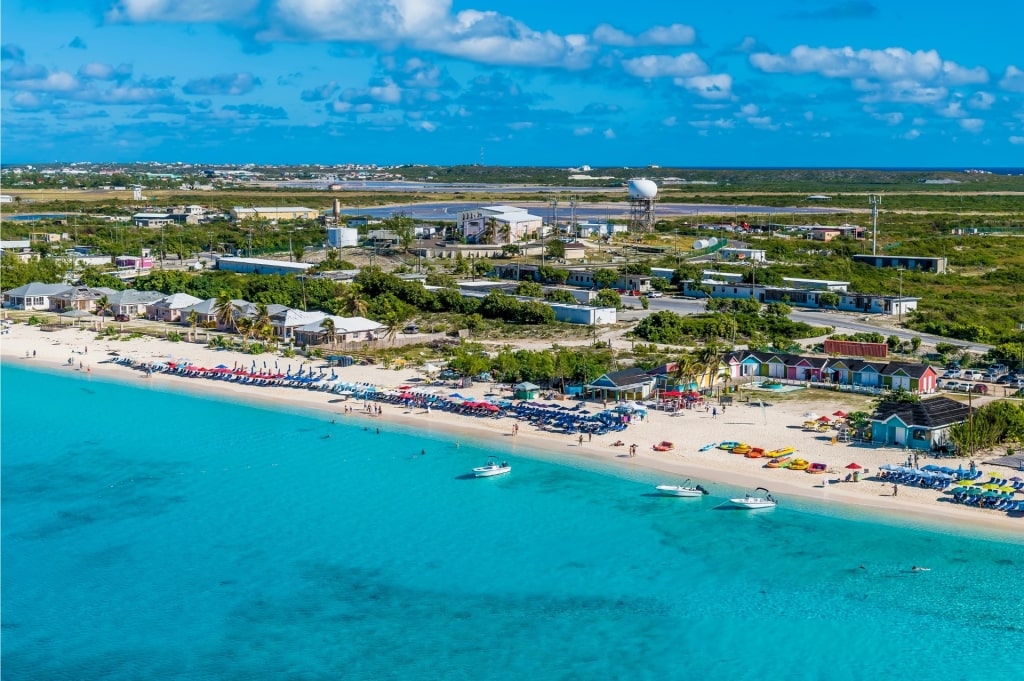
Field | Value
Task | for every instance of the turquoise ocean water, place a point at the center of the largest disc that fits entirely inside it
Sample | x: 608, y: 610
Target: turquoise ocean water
x: 151, y: 535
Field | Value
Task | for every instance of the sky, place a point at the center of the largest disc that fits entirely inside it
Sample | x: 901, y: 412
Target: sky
x: 791, y: 83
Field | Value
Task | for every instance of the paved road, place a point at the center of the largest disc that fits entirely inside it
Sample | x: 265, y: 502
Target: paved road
x: 845, y: 322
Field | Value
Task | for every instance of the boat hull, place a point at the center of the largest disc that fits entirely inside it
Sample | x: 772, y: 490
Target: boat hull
x: 491, y: 471
x: 753, y: 503
x: 677, y: 491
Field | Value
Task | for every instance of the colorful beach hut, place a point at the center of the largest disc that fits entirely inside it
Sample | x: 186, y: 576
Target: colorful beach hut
x: 525, y: 390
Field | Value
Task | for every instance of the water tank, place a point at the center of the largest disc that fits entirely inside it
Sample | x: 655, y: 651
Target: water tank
x: 700, y: 244
x: 712, y: 241
x: 642, y: 189
x: 341, y: 237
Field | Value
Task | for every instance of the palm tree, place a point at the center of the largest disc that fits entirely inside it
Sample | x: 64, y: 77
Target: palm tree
x: 103, y: 306
x: 328, y: 331
x: 193, y: 321
x: 352, y: 301
x: 225, y: 312
x: 261, y: 325
x: 490, y: 231
x: 687, y: 369
x: 709, y: 361
x: 245, y: 327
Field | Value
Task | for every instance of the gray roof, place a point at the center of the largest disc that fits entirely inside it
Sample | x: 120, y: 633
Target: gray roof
x: 132, y: 297
x: 177, y: 301
x: 343, y: 325
x: 934, y: 413
x: 37, y: 289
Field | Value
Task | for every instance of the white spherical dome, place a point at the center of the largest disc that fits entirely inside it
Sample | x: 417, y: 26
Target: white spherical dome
x: 642, y: 189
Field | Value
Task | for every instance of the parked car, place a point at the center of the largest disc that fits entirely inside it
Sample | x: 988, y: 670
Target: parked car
x: 121, y: 318
x: 951, y: 373
x: 655, y: 294
x: 411, y: 328
x: 973, y: 375
x: 980, y: 388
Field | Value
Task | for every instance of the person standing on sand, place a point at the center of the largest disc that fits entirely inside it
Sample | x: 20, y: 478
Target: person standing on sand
x: 581, y: 439
x: 895, y: 489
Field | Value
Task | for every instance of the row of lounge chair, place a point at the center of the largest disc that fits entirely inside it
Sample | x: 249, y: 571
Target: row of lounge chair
x: 992, y: 502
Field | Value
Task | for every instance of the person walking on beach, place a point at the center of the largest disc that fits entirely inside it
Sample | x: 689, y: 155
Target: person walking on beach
x: 581, y: 439
x: 714, y: 413
x: 895, y: 489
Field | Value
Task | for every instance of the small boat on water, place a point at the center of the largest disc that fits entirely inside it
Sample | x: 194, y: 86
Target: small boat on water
x: 492, y: 468
x: 765, y: 500
x: 728, y: 446
x: 710, y: 445
x: 778, y: 462
x: 742, y: 448
x: 755, y: 453
x: 798, y: 465
x: 781, y: 451
x: 683, y: 490
x: 817, y: 468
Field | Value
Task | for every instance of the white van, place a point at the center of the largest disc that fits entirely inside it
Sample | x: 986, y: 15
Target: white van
x: 973, y: 375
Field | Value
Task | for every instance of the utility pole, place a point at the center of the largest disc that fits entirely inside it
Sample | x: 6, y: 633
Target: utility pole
x: 899, y: 310
x: 875, y: 201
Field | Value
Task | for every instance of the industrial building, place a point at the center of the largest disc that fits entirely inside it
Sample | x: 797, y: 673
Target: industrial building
x: 262, y: 266
x: 498, y: 225
x: 907, y: 262
x: 274, y: 213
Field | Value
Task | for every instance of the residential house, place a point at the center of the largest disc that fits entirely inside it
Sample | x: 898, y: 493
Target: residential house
x: 33, y: 296
x: 168, y: 308
x: 80, y: 298
x: 206, y: 310
x: 346, y: 329
x: 288, y: 320
x: 920, y: 425
x: 131, y: 302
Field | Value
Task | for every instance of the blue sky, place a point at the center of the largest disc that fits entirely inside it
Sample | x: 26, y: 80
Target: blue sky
x: 564, y: 82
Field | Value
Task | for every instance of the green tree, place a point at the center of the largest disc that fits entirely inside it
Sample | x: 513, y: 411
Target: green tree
x: 555, y: 249
x: 605, y: 278
x: 606, y: 297
x: 403, y: 227
x: 103, y: 306
x: 225, y: 311
x: 829, y: 299
x: 893, y: 342
x: 328, y: 331
x: 915, y: 344
x: 530, y: 288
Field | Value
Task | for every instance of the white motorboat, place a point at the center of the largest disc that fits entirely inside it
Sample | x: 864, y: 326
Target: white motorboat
x: 765, y: 500
x: 683, y: 490
x: 491, y: 468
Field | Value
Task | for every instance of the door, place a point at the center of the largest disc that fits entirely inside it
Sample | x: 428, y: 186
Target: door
x: 899, y: 435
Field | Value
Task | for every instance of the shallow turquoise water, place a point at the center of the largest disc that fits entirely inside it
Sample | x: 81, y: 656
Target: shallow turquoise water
x: 153, y: 535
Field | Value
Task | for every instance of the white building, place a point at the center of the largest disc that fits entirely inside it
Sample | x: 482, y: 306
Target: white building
x: 498, y: 225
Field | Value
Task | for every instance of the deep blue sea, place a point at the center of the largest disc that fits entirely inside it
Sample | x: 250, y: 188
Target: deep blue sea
x: 152, y: 535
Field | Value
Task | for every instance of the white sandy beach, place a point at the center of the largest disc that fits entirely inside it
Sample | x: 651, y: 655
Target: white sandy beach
x: 769, y: 427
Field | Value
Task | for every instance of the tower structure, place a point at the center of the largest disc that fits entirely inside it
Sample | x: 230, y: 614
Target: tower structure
x: 643, y: 195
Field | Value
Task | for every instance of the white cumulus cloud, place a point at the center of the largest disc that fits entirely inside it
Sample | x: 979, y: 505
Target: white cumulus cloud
x: 972, y: 124
x: 1016, y: 139
x: 658, y: 65
x: 1013, y: 79
x: 714, y: 86
x: 187, y: 11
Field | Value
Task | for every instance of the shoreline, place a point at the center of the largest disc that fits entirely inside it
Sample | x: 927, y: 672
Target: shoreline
x: 872, y: 498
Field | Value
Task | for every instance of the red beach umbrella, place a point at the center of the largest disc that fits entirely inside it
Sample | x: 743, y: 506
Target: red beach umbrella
x: 854, y: 466
x: 841, y: 414
x: 824, y: 419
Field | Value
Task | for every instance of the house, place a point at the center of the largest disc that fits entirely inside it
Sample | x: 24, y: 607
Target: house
x: 286, y: 321
x: 33, y: 296
x: 628, y: 384
x: 921, y: 425
x: 575, y: 251
x: 80, y: 298
x: 915, y: 378
x: 525, y: 390
x: 19, y: 248
x: 346, y: 330
x: 262, y: 266
x: 168, y: 308
x: 132, y: 303
x: 206, y: 311
x: 152, y: 219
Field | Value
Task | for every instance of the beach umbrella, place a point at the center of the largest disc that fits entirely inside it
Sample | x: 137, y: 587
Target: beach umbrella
x: 840, y: 413
x: 823, y: 419
x: 854, y: 466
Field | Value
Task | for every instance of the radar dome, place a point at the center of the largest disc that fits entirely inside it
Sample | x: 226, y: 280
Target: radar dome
x: 642, y: 189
